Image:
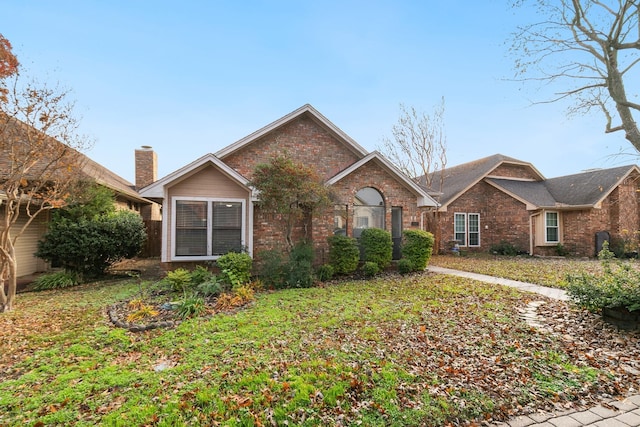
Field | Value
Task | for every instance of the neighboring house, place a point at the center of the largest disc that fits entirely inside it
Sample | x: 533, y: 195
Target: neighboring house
x: 501, y: 199
x: 126, y: 197
x: 209, y: 208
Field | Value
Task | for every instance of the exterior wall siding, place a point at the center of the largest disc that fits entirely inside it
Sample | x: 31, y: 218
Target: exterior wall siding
x: 27, y: 244
x: 206, y: 182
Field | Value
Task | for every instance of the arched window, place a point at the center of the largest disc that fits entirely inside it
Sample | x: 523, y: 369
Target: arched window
x: 368, y: 210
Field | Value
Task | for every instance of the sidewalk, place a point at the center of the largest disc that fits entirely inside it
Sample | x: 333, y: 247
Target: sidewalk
x: 615, y: 413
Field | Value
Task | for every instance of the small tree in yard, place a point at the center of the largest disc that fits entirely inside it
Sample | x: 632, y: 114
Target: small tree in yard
x: 290, y: 190
x: 87, y: 246
x: 40, y: 160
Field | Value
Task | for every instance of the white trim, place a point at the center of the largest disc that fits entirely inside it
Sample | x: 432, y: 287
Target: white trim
x: 467, y: 241
x: 548, y: 242
x: 164, y: 255
x: 209, y: 200
x: 156, y: 190
x: 464, y: 214
x: 469, y: 231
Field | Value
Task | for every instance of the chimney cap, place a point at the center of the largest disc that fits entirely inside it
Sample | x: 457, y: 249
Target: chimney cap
x: 146, y: 147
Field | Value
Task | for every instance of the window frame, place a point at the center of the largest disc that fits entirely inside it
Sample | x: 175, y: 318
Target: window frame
x: 547, y: 227
x: 210, y: 227
x: 467, y: 233
x: 457, y: 231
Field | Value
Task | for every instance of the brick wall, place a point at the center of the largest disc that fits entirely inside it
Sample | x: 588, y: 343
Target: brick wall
x: 309, y: 143
x: 515, y: 171
x: 304, y: 140
x: 501, y: 218
x: 507, y: 219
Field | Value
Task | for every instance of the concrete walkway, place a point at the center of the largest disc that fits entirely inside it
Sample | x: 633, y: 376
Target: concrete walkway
x: 615, y: 413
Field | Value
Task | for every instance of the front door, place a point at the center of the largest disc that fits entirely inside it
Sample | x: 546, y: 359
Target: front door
x: 396, y: 231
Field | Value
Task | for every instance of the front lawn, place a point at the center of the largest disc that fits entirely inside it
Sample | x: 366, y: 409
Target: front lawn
x: 550, y: 272
x: 413, y: 350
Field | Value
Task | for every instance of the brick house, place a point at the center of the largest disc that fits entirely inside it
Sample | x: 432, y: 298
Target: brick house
x: 209, y: 208
x: 502, y: 199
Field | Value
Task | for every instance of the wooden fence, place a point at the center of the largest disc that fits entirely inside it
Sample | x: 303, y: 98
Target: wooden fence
x: 153, y: 246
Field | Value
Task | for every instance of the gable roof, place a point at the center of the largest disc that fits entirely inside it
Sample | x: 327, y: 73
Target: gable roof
x: 534, y: 194
x: 156, y: 189
x: 590, y: 187
x: 306, y: 110
x: 458, y: 179
x: 424, y: 199
x: 582, y: 190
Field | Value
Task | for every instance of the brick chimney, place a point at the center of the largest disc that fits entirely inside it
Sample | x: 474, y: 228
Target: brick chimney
x: 146, y: 166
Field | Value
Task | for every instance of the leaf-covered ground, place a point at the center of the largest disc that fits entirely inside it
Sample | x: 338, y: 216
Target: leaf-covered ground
x: 550, y: 272
x: 417, y: 350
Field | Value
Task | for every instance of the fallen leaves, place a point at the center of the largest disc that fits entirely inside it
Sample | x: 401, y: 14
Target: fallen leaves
x: 392, y: 350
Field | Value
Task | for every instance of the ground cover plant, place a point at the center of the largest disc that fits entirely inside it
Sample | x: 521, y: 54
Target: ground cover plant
x: 398, y: 350
x: 550, y: 272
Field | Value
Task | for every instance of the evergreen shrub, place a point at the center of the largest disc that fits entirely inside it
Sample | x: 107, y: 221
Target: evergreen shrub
x: 377, y: 247
x: 344, y: 254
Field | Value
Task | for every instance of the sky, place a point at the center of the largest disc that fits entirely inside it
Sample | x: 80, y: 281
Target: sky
x: 191, y: 77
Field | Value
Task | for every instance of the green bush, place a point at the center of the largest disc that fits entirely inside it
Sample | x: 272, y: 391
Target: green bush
x: 405, y: 266
x: 619, y: 286
x: 201, y: 275
x: 417, y: 248
x: 377, y: 247
x: 238, y: 264
x: 504, y: 248
x: 370, y: 268
x: 57, y: 280
x: 325, y: 272
x: 179, y: 279
x: 271, y: 268
x: 191, y: 306
x: 299, y: 268
x: 344, y: 254
x: 89, y: 246
x: 210, y: 288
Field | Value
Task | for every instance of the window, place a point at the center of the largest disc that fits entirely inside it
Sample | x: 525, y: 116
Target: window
x: 368, y: 210
x: 460, y: 228
x: 466, y: 229
x: 552, y: 230
x: 340, y: 220
x: 207, y: 228
x: 474, y: 229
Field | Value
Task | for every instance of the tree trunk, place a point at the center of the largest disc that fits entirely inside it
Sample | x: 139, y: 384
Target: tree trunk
x: 615, y: 85
x: 9, y: 276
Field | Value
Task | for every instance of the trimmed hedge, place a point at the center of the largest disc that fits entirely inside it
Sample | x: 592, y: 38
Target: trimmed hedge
x: 377, y: 246
x: 344, y: 254
x: 417, y: 248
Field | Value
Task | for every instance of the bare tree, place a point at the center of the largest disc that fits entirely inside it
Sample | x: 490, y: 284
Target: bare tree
x: 40, y: 162
x: 419, y: 144
x: 419, y: 148
x: 590, y: 48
